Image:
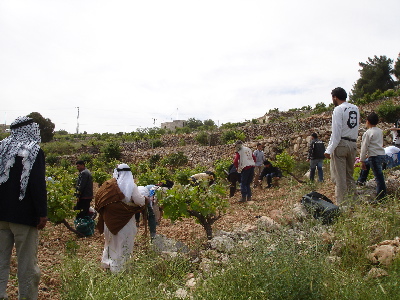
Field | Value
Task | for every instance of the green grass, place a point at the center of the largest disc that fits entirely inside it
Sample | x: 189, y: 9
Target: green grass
x: 289, y: 263
x: 148, y: 276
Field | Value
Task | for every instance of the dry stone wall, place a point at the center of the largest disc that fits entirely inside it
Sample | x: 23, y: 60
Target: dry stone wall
x: 292, y: 136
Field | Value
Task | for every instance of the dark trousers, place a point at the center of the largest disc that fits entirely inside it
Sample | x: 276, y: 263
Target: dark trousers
x: 246, y: 180
x: 151, y: 220
x: 233, y: 178
x: 376, y: 166
x: 364, y: 173
x: 83, y: 205
x: 269, y: 178
x: 316, y: 163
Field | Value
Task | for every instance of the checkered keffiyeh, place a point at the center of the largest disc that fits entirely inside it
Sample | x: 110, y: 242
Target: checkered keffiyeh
x: 24, y: 142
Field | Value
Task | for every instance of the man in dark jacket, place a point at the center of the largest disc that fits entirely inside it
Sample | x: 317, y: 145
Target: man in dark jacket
x: 271, y: 173
x: 316, y: 157
x: 23, y: 205
x: 84, y: 190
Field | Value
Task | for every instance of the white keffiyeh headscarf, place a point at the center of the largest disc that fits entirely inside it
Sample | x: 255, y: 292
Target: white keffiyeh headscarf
x: 125, y: 181
x: 24, y: 142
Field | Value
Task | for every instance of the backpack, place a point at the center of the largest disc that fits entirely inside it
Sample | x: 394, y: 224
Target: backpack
x: 321, y: 207
x: 318, y: 149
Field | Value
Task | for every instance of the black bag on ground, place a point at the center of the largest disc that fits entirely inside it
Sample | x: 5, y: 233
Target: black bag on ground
x: 321, y: 207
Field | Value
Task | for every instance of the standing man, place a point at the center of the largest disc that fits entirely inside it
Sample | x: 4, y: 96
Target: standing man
x: 342, y: 147
x: 244, y: 162
x: 316, y: 157
x: 23, y: 205
x: 117, y: 201
x: 84, y: 190
x: 259, y: 155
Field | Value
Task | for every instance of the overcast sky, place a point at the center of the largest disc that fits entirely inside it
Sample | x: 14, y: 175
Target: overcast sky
x: 135, y: 64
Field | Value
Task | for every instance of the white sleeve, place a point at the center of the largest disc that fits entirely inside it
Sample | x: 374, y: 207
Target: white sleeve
x: 137, y: 198
x: 336, y: 130
x: 364, y: 146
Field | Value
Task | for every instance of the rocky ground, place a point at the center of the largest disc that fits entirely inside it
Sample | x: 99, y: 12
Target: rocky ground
x: 276, y: 203
x: 56, y: 240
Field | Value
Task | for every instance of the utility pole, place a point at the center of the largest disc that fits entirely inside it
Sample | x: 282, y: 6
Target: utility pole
x: 77, y: 122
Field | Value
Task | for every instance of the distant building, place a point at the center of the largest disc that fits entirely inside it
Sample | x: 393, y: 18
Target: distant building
x: 263, y: 120
x: 4, y: 128
x: 173, y: 125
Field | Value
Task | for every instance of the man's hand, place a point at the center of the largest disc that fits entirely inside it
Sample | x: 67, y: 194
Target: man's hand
x: 327, y: 155
x: 363, y: 165
x: 42, y: 223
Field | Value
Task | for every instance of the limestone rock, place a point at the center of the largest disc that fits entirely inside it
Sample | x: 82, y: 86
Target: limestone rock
x: 385, y: 252
x: 376, y: 273
x: 267, y: 224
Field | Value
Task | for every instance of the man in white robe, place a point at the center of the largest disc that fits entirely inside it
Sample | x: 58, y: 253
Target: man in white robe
x: 119, y: 220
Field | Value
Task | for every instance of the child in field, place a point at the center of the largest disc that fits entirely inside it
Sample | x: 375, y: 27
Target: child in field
x: 372, y: 147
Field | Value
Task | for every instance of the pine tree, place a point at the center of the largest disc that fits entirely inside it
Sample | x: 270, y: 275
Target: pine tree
x: 375, y: 74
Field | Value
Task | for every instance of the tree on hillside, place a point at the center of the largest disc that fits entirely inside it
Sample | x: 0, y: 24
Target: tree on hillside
x: 45, y: 125
x: 375, y: 74
x: 396, y: 70
x: 209, y: 123
x: 193, y: 123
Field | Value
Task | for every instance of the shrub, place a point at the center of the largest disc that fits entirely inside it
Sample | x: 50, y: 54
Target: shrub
x: 153, y: 160
x: 388, y: 111
x: 111, y: 151
x: 100, y: 176
x: 61, y: 132
x: 175, y: 160
x: 285, y: 162
x: 391, y: 93
x: 183, y: 130
x: 321, y: 107
x: 60, y: 148
x: 182, y: 176
x: 202, y: 138
x: 102, y: 164
x: 154, y: 176
x: 230, y: 125
x: 221, y: 167
x: 156, y: 143
x: 52, y: 159
x: 86, y: 157
x: 204, y: 203
x: 60, y: 194
x: 231, y: 136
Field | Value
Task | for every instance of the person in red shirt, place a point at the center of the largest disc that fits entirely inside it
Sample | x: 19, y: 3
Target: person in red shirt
x: 244, y: 162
